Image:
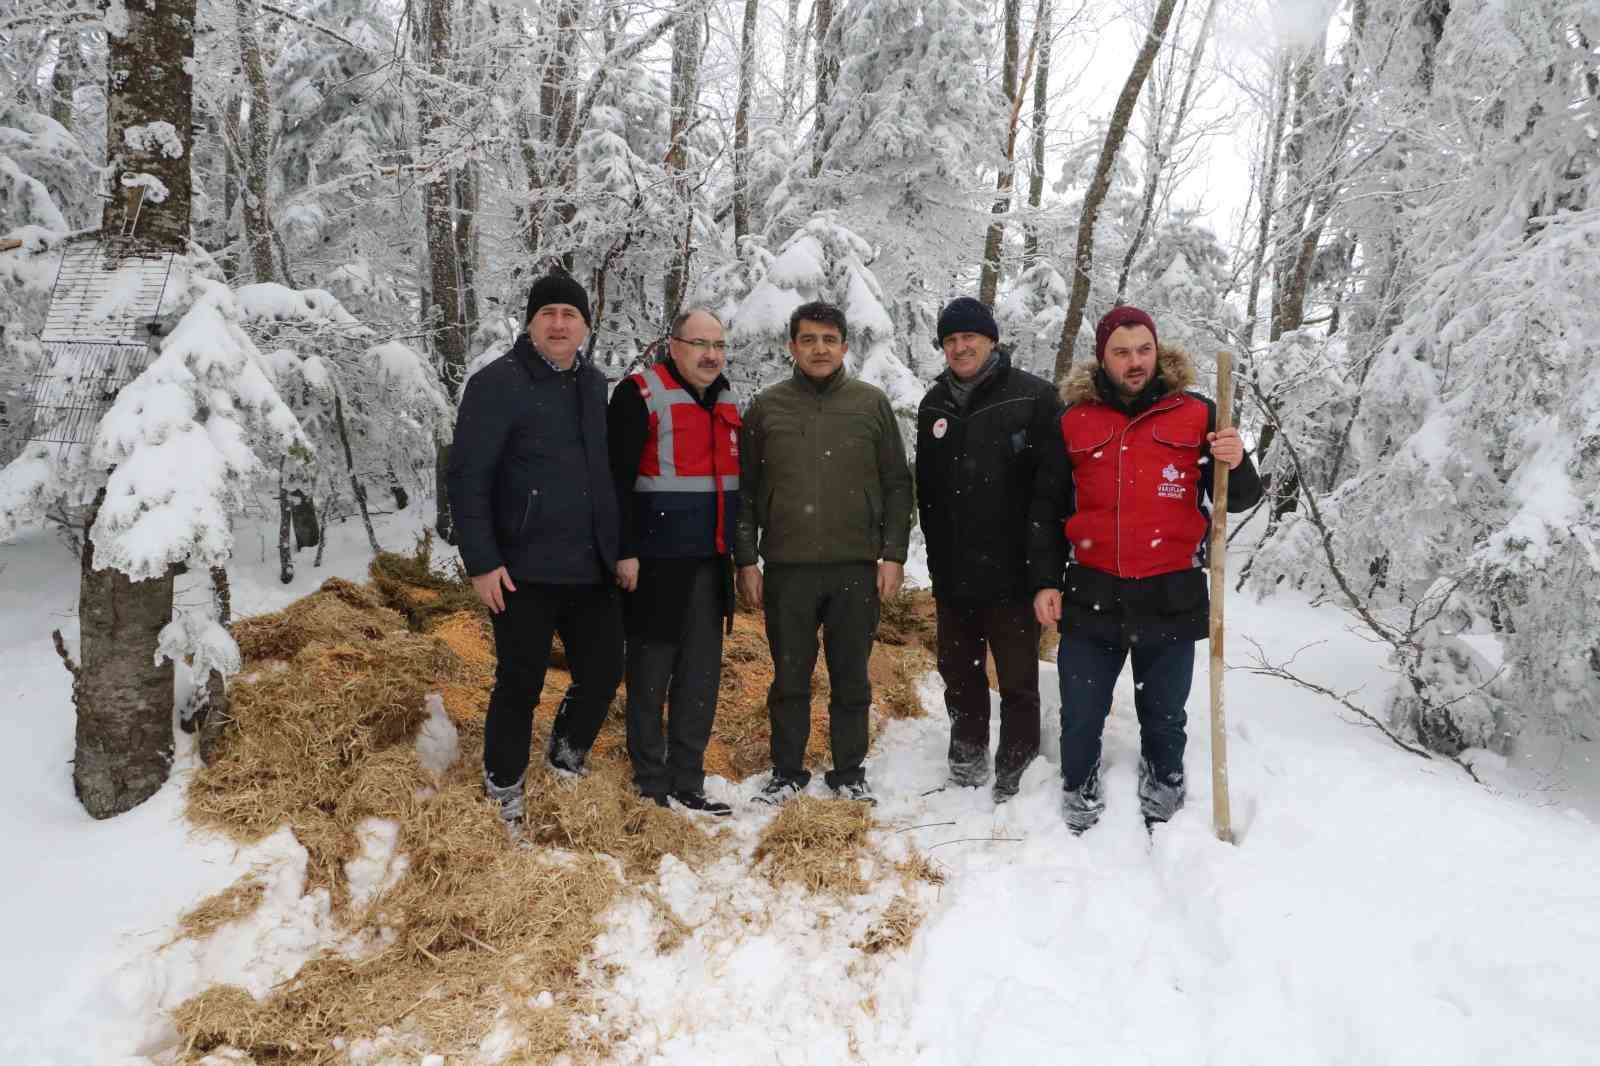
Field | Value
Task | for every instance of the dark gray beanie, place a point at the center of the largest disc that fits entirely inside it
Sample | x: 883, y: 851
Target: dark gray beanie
x: 966, y: 315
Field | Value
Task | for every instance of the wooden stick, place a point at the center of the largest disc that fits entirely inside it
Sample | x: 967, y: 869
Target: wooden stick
x: 1221, y: 816
x: 9, y: 244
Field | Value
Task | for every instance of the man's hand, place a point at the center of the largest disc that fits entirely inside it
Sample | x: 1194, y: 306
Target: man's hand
x: 890, y: 577
x: 628, y: 574
x: 487, y: 586
x: 1047, y: 606
x: 749, y: 579
x: 1226, y: 446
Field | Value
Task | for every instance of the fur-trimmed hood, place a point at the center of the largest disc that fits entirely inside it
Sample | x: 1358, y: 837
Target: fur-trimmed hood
x: 1173, y: 366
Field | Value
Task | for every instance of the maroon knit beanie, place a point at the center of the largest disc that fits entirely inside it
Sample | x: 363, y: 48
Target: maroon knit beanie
x: 1115, y: 319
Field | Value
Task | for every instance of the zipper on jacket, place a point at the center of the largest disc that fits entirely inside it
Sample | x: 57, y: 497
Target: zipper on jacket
x: 1122, y: 446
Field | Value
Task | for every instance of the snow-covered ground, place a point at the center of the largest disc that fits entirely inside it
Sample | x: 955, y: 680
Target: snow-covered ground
x: 1377, y: 909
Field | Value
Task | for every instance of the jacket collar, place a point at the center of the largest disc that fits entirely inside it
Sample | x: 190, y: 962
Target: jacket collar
x: 533, y: 360
x: 1002, y: 364
x: 831, y: 384
x: 1174, y: 374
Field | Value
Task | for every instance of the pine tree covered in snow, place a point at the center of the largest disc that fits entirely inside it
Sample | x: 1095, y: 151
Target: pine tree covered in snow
x: 1469, y: 477
x: 824, y: 261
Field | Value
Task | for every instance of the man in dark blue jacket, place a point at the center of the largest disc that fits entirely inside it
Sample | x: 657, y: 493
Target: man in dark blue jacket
x: 536, y: 516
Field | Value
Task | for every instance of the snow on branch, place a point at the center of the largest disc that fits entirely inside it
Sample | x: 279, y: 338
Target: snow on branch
x: 182, y: 439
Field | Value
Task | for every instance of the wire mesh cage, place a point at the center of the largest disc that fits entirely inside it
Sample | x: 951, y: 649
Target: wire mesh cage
x: 98, y: 336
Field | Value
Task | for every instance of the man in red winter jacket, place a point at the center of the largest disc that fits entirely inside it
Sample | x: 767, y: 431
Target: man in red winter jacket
x: 1116, y: 552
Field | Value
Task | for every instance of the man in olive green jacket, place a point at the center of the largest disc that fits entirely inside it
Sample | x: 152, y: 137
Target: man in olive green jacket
x: 824, y: 472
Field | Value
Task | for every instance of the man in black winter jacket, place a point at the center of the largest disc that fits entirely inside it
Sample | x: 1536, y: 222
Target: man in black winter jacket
x: 536, y: 517
x: 974, y: 481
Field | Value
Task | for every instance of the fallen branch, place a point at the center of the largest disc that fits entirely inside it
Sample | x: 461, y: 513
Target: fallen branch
x: 1281, y: 671
x: 976, y: 840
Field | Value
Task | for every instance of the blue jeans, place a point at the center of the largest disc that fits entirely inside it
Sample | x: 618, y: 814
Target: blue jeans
x: 1162, y: 673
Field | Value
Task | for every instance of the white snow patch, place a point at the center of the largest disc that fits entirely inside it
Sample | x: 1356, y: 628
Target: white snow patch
x: 438, y: 742
x: 160, y: 137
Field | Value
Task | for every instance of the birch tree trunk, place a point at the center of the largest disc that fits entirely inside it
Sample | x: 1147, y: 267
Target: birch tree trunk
x: 1083, y: 256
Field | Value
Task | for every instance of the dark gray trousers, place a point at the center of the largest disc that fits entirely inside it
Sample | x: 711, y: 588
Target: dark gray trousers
x: 684, y: 676
x: 841, y: 598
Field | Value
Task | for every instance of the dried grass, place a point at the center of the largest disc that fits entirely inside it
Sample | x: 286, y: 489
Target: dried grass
x: 908, y: 618
x: 339, y: 611
x: 602, y: 813
x: 922, y: 868
x: 238, y: 900
x: 410, y: 585
x: 475, y: 929
x: 894, y: 928
x: 818, y: 844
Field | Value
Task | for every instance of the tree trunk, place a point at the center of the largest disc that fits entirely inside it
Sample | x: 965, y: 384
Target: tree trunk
x: 64, y: 78
x: 124, y: 699
x: 210, y: 714
x: 1044, y: 27
x: 466, y: 235
x: 285, y: 525
x: 232, y: 146
x: 257, y: 210
x: 1161, y: 148
x: 303, y: 516
x: 1083, y: 256
x: 149, y: 84
x: 994, y: 240
x: 686, y: 44
x: 445, y: 324
x: 124, y: 732
x: 794, y: 38
x: 356, y: 487
x: 741, y: 124
x: 827, y: 63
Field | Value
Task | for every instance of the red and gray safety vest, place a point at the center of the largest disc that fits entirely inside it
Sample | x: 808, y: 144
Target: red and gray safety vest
x: 688, y: 483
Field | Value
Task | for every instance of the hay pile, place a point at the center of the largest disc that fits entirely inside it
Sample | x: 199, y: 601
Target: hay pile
x: 818, y: 844
x: 321, y: 738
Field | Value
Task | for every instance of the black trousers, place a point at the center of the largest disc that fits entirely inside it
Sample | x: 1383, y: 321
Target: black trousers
x: 589, y: 619
x: 841, y: 598
x: 966, y: 636
x: 685, y: 675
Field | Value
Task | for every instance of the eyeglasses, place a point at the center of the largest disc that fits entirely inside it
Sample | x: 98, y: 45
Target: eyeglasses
x: 703, y: 345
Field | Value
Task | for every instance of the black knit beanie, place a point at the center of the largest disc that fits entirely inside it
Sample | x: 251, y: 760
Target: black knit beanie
x: 557, y: 288
x: 966, y: 315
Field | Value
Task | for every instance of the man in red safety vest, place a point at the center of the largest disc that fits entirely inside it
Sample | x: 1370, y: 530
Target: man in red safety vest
x: 1118, y: 530
x: 673, y: 433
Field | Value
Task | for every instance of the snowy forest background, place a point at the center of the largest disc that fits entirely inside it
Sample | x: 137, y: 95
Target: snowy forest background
x: 363, y: 192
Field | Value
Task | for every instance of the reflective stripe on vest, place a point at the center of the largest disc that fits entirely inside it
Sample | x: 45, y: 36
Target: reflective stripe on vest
x: 659, y: 467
